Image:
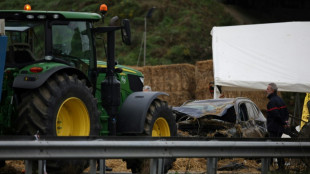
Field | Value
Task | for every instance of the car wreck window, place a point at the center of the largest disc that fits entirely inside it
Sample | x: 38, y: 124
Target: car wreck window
x: 230, y: 115
x: 251, y: 111
x: 243, y: 112
x: 259, y: 116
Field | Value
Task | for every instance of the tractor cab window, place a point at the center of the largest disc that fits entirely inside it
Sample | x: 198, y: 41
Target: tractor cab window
x: 26, y: 42
x: 71, y: 41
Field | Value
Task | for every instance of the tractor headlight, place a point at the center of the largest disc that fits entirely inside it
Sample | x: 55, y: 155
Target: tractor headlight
x: 30, y: 17
x: 55, y: 16
x: 41, y: 16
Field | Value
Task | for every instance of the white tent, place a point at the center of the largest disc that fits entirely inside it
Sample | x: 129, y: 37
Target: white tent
x: 249, y: 57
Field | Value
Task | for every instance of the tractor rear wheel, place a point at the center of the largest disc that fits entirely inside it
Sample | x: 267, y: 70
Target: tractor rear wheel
x: 63, y: 106
x: 159, y: 122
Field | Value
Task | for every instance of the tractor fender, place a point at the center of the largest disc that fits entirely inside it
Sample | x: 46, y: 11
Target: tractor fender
x: 133, y: 112
x: 32, y: 81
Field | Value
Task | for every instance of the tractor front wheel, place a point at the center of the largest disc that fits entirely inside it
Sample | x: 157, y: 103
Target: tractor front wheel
x: 159, y: 122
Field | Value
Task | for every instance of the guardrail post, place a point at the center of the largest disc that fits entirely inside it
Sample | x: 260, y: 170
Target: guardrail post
x: 153, y: 166
x: 40, y: 166
x: 156, y: 166
x: 102, y: 166
x: 28, y: 166
x: 211, y: 165
x: 92, y: 165
x: 265, y: 165
x: 160, y: 166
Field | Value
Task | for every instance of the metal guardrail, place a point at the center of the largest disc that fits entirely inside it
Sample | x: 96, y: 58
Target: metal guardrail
x: 149, y: 149
x: 156, y: 149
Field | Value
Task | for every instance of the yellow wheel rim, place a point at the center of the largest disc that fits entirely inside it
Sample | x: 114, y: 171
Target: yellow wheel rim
x: 72, y: 118
x: 161, y: 128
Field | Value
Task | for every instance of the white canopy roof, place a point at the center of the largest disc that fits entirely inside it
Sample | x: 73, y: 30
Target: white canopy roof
x: 249, y: 57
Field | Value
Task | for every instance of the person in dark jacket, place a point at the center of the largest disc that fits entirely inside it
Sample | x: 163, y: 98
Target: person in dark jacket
x: 277, y: 116
x: 277, y: 113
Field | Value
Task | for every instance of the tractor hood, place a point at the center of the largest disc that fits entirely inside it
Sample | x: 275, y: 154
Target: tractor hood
x: 127, y: 70
x: 200, y: 108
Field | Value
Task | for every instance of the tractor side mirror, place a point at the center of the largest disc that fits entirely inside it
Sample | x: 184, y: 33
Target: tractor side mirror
x: 126, y: 34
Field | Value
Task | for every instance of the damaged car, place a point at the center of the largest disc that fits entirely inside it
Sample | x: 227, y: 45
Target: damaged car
x: 225, y: 117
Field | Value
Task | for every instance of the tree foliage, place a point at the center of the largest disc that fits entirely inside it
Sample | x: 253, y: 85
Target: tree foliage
x: 177, y: 32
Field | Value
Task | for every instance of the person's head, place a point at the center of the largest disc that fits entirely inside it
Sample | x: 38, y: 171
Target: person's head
x: 211, y: 88
x: 271, y: 88
x: 147, y: 88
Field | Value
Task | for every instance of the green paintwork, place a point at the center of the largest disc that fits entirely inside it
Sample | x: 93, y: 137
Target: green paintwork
x: 44, y: 65
x: 6, y: 107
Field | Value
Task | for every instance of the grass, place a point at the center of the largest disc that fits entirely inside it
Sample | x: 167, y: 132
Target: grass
x: 177, y: 32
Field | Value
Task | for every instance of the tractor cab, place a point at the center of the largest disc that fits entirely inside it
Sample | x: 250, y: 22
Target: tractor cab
x: 23, y: 39
x: 35, y: 38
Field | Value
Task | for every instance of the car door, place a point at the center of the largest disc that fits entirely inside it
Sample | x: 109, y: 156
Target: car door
x: 247, y: 114
x: 259, y: 119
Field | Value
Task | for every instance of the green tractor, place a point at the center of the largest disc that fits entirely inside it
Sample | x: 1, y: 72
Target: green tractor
x: 54, y: 83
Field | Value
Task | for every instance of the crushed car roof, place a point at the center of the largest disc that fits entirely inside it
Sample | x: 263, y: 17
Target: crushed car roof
x: 199, y: 108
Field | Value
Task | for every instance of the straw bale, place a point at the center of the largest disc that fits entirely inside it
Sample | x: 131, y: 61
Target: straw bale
x: 198, y: 165
x: 177, y: 80
x: 178, y: 77
x: 147, y: 75
x: 258, y: 97
x: 203, y: 75
x: 177, y: 98
x: 203, y: 94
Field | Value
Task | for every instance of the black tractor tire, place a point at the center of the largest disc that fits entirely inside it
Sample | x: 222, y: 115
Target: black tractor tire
x: 62, y: 106
x: 159, y: 116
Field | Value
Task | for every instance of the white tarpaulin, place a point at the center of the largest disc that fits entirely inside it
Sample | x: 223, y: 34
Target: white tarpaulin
x: 249, y: 57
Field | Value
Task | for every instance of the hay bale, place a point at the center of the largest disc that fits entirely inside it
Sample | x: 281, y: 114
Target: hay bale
x: 258, y: 97
x: 171, y: 78
x: 177, y: 80
x: 203, y: 76
x: 177, y: 98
